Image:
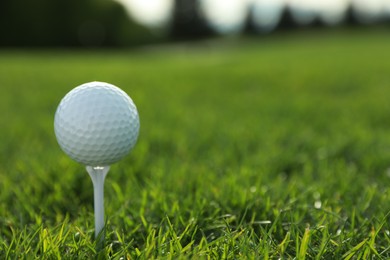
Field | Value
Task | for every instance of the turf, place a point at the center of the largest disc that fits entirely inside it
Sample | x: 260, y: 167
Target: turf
x: 273, y: 147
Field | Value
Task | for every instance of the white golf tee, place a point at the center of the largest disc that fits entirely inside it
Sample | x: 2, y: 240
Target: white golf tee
x: 98, y: 175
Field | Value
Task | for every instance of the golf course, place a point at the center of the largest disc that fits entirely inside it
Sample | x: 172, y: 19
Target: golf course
x: 273, y: 147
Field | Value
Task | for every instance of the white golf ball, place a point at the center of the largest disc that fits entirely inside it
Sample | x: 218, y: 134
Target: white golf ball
x: 96, y: 124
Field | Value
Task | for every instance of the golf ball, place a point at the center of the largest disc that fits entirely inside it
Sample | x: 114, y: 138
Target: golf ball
x: 96, y: 124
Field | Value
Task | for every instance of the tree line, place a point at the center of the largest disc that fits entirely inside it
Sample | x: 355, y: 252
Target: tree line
x: 75, y: 23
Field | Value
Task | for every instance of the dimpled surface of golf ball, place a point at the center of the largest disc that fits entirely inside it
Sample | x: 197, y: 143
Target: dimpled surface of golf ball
x: 96, y: 124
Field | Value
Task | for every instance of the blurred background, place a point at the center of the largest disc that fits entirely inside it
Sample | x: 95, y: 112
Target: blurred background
x: 112, y: 23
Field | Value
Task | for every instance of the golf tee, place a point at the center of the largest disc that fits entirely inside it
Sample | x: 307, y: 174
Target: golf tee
x: 98, y: 175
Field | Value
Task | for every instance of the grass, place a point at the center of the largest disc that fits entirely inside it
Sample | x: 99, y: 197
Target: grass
x: 269, y: 148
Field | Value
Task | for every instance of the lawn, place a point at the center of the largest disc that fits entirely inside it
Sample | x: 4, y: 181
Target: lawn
x: 270, y: 147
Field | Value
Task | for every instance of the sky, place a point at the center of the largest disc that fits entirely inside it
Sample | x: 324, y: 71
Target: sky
x: 151, y: 13
x: 228, y: 16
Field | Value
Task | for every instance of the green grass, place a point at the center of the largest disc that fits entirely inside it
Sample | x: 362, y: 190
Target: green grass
x: 277, y: 147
